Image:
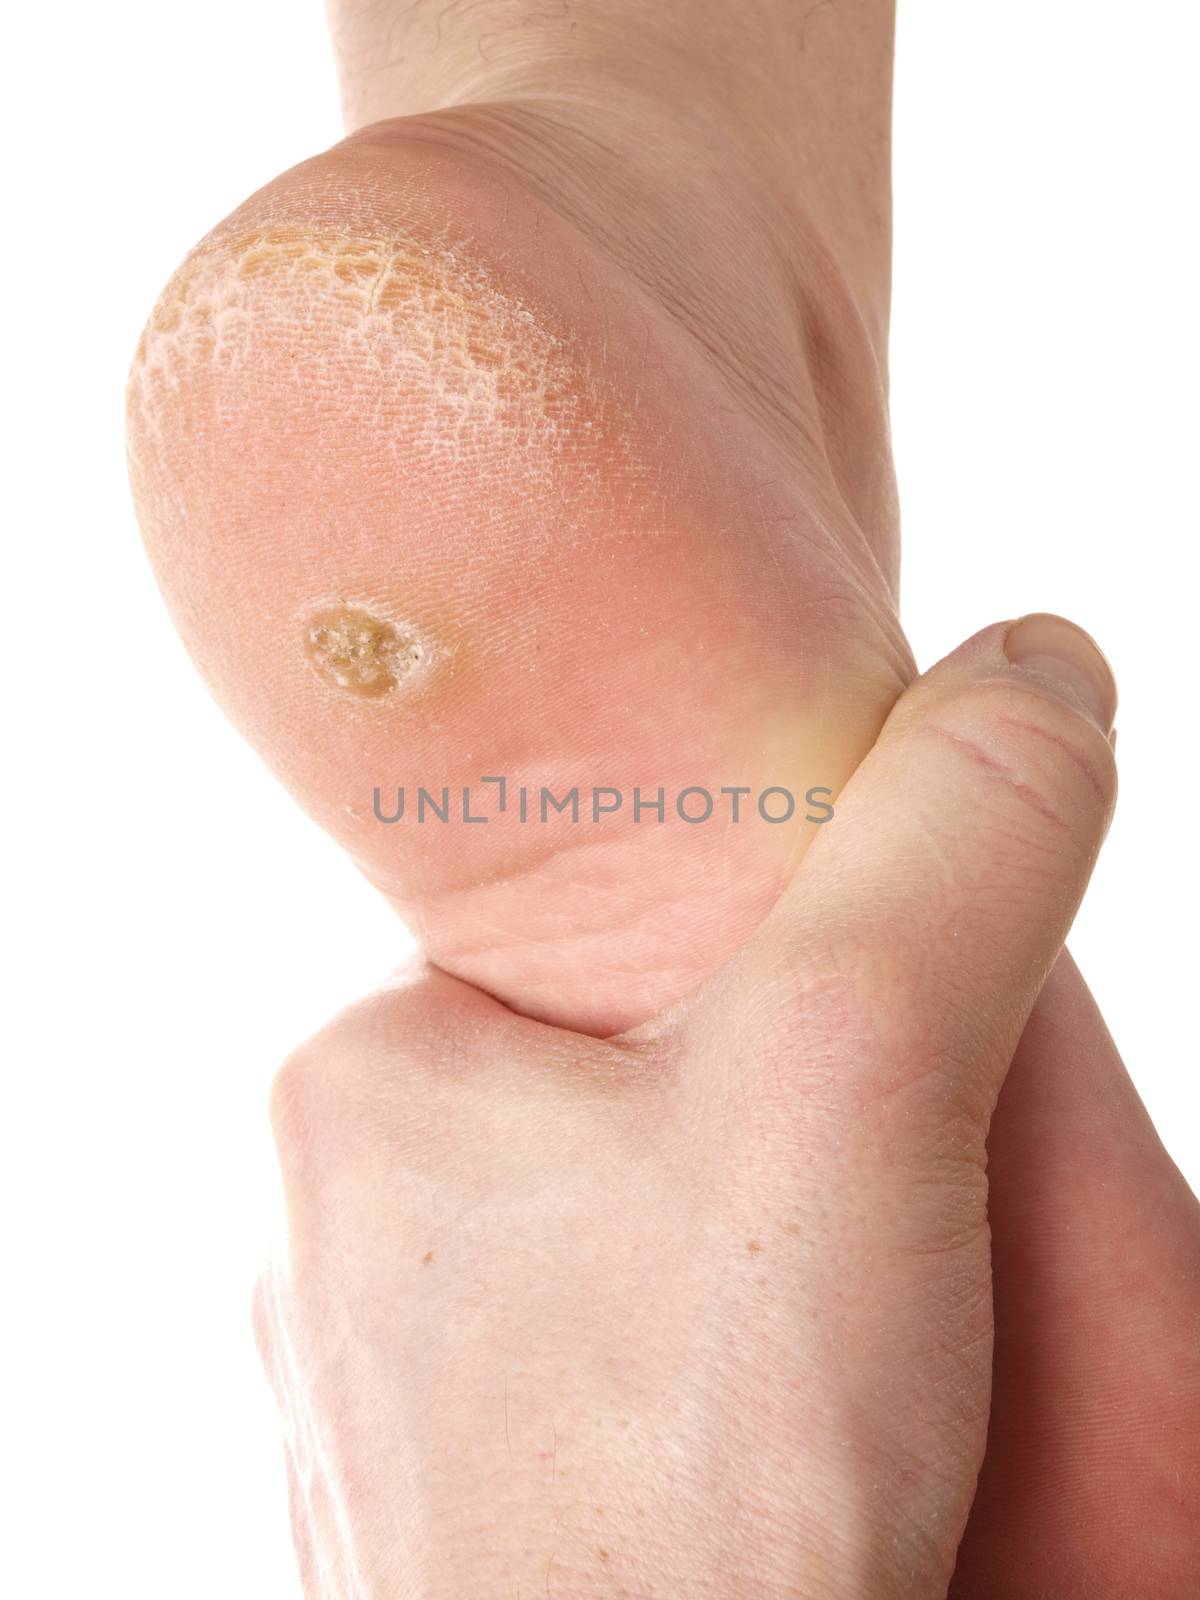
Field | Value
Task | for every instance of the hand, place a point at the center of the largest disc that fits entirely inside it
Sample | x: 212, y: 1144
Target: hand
x: 705, y: 1309
x: 1091, y: 1479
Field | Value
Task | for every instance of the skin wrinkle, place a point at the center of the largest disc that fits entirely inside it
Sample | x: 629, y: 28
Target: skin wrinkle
x: 322, y: 442
x: 561, y: 159
x: 429, y: 422
x: 999, y: 770
x: 1067, y: 749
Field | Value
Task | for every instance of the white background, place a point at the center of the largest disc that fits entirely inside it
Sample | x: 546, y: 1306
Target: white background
x: 173, y: 910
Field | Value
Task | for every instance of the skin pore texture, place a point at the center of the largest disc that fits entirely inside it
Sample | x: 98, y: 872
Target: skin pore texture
x: 438, y: 490
x: 539, y: 430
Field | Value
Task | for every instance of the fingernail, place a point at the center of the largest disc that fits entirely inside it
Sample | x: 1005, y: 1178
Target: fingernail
x: 1067, y: 659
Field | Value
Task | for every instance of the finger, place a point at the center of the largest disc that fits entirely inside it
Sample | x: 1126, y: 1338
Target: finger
x: 1095, y: 1423
x: 933, y: 905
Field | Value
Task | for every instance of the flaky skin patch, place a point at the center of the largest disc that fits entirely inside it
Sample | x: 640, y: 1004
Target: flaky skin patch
x: 471, y: 354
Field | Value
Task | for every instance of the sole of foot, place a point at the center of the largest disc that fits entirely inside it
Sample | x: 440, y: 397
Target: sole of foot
x: 442, y: 490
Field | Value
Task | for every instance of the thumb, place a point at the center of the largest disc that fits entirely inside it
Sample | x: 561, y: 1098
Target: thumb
x: 931, y: 908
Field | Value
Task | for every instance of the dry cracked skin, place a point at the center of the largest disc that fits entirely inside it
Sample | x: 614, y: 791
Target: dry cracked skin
x: 421, y: 310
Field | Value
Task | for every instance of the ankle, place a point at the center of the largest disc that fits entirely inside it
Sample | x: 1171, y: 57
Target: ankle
x: 799, y: 99
x: 692, y: 56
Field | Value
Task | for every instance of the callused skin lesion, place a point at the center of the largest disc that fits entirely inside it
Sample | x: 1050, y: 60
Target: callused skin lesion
x: 351, y: 648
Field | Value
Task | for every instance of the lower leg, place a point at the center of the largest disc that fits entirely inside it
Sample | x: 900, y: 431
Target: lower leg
x: 800, y: 91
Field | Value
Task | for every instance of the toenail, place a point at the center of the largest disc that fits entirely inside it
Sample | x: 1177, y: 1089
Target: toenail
x: 360, y: 652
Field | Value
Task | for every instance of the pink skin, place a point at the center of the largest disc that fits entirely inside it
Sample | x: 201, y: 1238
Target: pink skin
x: 704, y: 1309
x: 1092, y: 1478
x: 494, y: 459
x: 610, y: 441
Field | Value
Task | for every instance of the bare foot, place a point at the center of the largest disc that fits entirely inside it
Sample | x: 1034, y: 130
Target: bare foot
x: 539, y: 431
x: 705, y: 1311
x: 543, y: 438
